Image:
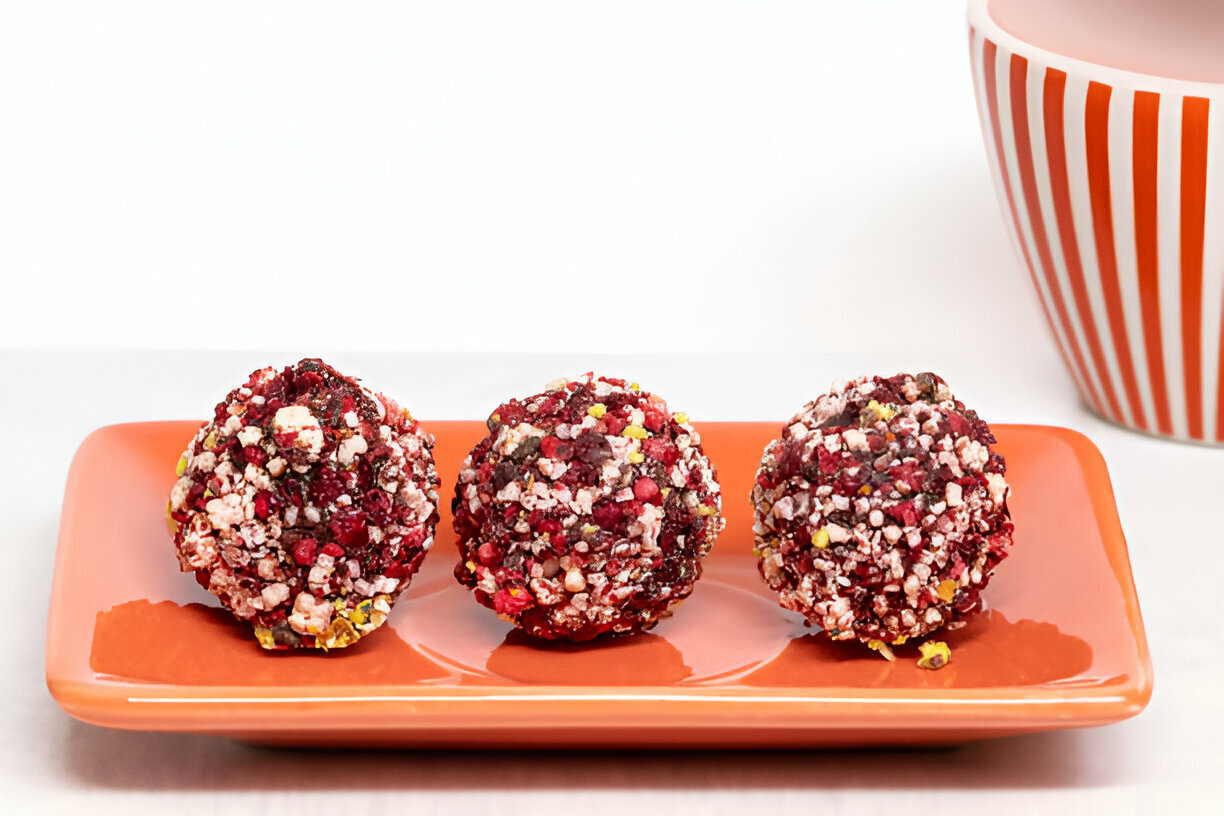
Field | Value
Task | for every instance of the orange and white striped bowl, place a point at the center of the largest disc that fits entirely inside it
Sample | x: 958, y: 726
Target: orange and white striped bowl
x: 1110, y: 181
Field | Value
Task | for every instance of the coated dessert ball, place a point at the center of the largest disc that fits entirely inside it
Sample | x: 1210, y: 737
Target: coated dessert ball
x: 306, y: 505
x: 881, y: 511
x: 586, y: 510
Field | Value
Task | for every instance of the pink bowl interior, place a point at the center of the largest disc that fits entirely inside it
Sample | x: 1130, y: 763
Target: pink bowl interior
x: 1179, y: 39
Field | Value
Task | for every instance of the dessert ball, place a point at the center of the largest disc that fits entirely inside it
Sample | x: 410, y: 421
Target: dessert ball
x: 306, y: 505
x: 586, y: 510
x: 882, y: 510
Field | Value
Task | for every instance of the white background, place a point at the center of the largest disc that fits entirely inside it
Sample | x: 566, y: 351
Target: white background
x: 461, y: 176
x: 790, y: 191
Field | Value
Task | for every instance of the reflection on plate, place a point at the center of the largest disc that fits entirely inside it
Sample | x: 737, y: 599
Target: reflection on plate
x: 133, y: 644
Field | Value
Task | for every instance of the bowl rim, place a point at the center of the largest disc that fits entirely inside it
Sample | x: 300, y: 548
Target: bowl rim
x: 981, y: 23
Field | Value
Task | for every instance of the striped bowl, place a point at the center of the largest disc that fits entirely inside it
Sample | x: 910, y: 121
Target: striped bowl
x: 1108, y: 180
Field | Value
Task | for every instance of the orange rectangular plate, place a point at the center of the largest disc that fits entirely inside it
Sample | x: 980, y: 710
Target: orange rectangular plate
x: 132, y: 643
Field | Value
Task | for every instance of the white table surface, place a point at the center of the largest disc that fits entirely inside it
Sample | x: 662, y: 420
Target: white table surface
x: 732, y: 203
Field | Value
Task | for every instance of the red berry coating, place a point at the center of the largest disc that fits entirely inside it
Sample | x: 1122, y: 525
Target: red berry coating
x: 305, y: 505
x: 586, y: 511
x: 881, y: 510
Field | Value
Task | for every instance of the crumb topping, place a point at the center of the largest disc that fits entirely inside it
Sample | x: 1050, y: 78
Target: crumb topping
x: 305, y: 505
x: 881, y: 511
x: 587, y: 509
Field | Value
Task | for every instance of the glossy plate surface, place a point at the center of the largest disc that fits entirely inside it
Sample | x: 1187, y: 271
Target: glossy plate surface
x: 133, y: 643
